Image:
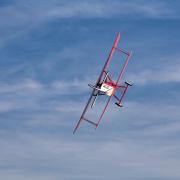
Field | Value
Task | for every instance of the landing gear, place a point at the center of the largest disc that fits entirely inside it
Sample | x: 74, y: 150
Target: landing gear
x: 128, y: 83
x: 119, y: 104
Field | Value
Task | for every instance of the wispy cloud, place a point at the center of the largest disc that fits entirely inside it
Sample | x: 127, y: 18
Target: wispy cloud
x: 23, y: 85
x: 19, y: 18
x: 29, y: 93
x: 25, y: 151
x: 43, y: 95
x: 164, y: 75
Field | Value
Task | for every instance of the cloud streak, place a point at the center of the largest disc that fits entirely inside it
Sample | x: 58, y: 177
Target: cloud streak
x: 25, y: 152
x: 164, y: 75
x: 18, y: 18
x: 43, y: 90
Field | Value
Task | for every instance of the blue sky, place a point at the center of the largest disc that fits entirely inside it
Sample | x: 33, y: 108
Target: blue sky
x: 50, y: 51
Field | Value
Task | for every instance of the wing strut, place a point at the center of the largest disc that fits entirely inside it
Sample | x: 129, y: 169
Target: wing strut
x: 98, y: 81
x: 102, y: 79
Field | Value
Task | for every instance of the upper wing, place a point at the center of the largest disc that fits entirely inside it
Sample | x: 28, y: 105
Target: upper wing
x: 104, y: 70
x: 85, y: 109
x: 95, y: 90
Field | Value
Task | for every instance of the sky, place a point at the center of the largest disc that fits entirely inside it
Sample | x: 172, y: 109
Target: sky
x: 50, y: 51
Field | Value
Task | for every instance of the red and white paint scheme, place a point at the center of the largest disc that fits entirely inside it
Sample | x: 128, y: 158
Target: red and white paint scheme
x: 106, y: 86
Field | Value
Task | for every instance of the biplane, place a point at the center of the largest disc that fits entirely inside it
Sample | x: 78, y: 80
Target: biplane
x: 106, y: 86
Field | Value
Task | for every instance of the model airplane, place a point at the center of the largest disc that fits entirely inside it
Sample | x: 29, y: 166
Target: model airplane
x: 106, y: 86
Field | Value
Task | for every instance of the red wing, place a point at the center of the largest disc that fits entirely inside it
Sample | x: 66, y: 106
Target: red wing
x: 84, y: 111
x: 109, y: 99
x: 106, y: 79
x: 104, y: 70
x: 98, y: 81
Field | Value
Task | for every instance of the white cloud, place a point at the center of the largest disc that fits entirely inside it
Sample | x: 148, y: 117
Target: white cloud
x: 30, y: 94
x: 22, y: 152
x: 169, y: 74
x: 19, y: 18
x: 149, y: 121
x: 7, y: 106
x: 22, y: 94
x: 33, y: 153
x: 22, y: 86
x: 73, y: 86
x: 73, y: 158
